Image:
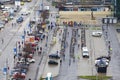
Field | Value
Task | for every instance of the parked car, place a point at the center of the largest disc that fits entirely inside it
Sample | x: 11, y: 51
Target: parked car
x: 19, y: 20
x: 102, y: 63
x: 118, y: 30
x: 56, y: 56
x: 85, y: 52
x: 37, y: 38
x: 22, y: 3
x: 6, y: 8
x: 103, y: 59
x: 53, y: 62
x: 18, y: 75
x: 25, y: 13
x: 11, y: 17
x: 1, y: 26
x: 2, y: 5
x: 97, y: 34
x: 15, y: 9
x: 31, y: 60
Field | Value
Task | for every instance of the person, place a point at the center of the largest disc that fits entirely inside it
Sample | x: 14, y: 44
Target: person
x: 37, y: 48
x: 68, y: 33
x: 12, y: 24
x: 41, y: 48
x: 49, y: 27
x: 78, y: 45
x: 2, y: 40
x: 57, y: 52
x: 22, y: 43
x: 60, y: 61
x: 110, y: 49
x: 39, y: 52
x: 19, y: 47
x: 69, y: 62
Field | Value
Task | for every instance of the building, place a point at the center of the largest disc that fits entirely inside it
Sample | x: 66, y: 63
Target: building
x: 85, y: 5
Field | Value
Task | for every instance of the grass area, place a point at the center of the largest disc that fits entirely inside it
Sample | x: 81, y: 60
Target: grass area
x: 41, y: 78
x: 96, y: 77
x: 118, y: 24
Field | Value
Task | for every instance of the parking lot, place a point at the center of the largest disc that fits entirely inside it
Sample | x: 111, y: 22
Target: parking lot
x: 52, y: 68
x: 97, y: 47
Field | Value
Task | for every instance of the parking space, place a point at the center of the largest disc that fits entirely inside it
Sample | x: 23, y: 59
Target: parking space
x: 52, y: 68
x: 97, y: 48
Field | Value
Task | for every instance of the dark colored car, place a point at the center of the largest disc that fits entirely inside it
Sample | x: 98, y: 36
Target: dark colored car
x: 19, y: 20
x: 54, y: 56
x: 53, y: 62
x: 118, y: 30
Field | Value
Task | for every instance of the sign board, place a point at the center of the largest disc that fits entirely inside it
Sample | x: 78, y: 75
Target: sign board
x: 15, y: 50
x: 109, y: 20
x: 5, y: 70
x: 114, y: 20
x: 17, y: 2
x: 46, y: 8
x: 29, y: 39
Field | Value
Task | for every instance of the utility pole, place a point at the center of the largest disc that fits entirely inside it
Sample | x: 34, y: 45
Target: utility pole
x: 42, y: 5
x: 7, y: 69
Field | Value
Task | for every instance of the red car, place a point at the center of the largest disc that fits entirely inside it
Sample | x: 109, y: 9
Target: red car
x: 37, y: 38
x: 18, y: 75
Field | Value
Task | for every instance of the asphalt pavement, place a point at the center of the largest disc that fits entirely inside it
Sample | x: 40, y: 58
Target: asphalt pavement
x: 114, y: 38
x: 10, y: 35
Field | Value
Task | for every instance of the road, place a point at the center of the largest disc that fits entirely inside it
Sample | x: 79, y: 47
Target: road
x: 10, y: 35
x: 36, y: 70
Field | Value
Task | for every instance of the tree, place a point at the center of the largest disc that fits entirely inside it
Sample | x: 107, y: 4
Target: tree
x: 117, y: 9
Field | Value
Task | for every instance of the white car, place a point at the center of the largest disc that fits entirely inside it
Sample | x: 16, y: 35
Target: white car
x: 97, y: 34
x: 25, y: 13
x: 1, y: 25
x: 31, y: 60
x: 85, y: 52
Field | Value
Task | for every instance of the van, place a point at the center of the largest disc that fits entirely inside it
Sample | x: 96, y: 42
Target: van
x: 49, y: 76
x: 85, y: 52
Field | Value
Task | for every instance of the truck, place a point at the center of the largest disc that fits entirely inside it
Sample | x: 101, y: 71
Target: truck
x: 101, y: 64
